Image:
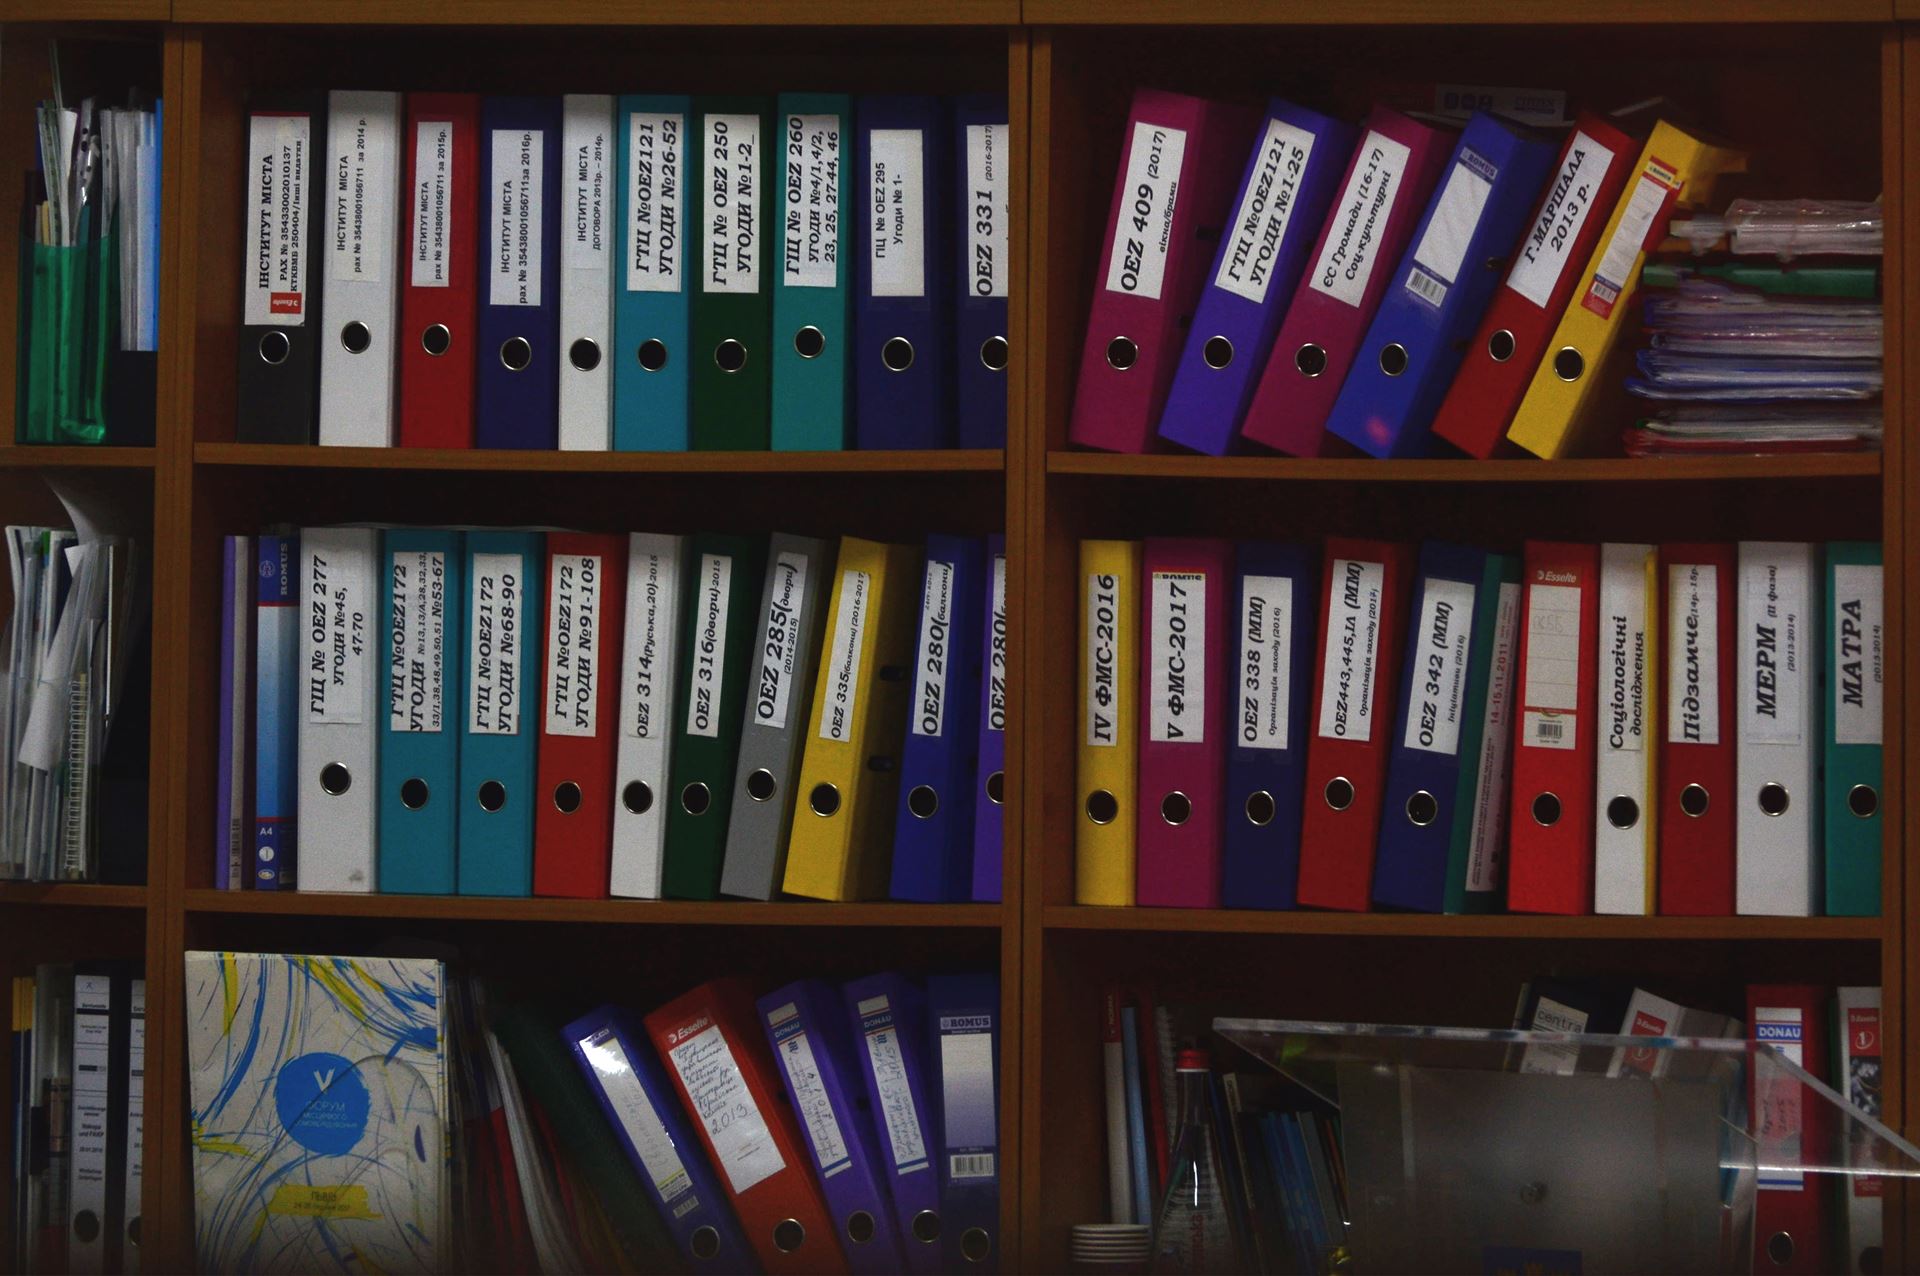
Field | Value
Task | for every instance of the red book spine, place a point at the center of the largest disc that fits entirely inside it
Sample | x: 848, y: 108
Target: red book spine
x: 1159, y: 1133
x: 1791, y: 1128
x: 1696, y: 820
x: 440, y: 269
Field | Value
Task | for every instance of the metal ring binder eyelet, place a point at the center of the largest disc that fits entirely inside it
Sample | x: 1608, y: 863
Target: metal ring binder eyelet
x: 1623, y: 812
x: 761, y: 785
x: 584, y: 354
x: 652, y: 355
x: 1310, y: 359
x: 926, y: 1227
x: 1102, y: 807
x: 809, y: 342
x: 993, y: 354
x: 566, y: 797
x: 493, y: 796
x: 695, y: 799
x: 1339, y: 793
x: 436, y: 340
x: 824, y: 800
x: 897, y: 354
x: 996, y: 786
x: 1568, y: 364
x: 413, y: 794
x: 975, y: 1245
x: 730, y: 356
x: 637, y: 797
x: 1774, y: 799
x: 860, y: 1227
x: 1422, y: 809
x: 705, y: 1242
x: 788, y: 1235
x: 1863, y: 800
x: 355, y: 338
x: 1122, y: 353
x: 1780, y: 1248
x: 274, y: 348
x: 1218, y: 352
x: 923, y: 802
x: 516, y: 354
x: 1693, y: 801
x: 1393, y: 358
x: 1546, y: 809
x: 1500, y: 346
x: 1176, y: 808
x: 1260, y: 808
x: 335, y: 779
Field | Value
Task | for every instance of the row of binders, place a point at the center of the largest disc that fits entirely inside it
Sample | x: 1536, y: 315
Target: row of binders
x: 819, y: 1128
x: 640, y: 273
x: 79, y: 1051
x: 1683, y: 729
x: 1340, y: 292
x: 494, y: 712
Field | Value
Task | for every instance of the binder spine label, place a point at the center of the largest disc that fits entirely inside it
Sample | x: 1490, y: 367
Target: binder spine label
x: 417, y: 643
x: 1861, y: 1023
x: 720, y: 1099
x: 1360, y: 218
x: 896, y: 238
x: 837, y: 706
x: 732, y: 204
x: 587, y: 208
x: 1456, y: 214
x: 1656, y: 186
x: 1103, y: 660
x: 1693, y: 660
x: 1859, y: 654
x: 1777, y: 1097
x: 710, y: 645
x: 899, y: 1117
x: 987, y: 209
x: 1623, y: 656
x: 494, y: 647
x: 1353, y: 649
x: 85, y: 1212
x: 780, y: 648
x: 1543, y: 255
x: 642, y: 1125
x: 810, y: 232
x: 1137, y: 261
x: 339, y: 634
x: 808, y: 1091
x: 1178, y: 659
x: 1487, y: 850
x: 1555, y: 1058
x: 1550, y: 686
x: 573, y: 645
x: 1259, y: 225
x: 1775, y: 666
x: 996, y: 671
x: 656, y: 202
x: 936, y: 629
x: 651, y: 609
x: 514, y: 217
x: 966, y: 1091
x: 1440, y: 677
x: 432, y: 203
x: 280, y: 149
x: 363, y: 176
x: 1266, y: 661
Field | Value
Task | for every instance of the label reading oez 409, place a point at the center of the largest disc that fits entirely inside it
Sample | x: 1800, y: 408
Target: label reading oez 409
x: 1143, y: 233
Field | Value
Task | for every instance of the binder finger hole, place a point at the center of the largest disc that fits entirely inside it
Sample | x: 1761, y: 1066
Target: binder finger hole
x: 1623, y: 812
x: 1260, y: 808
x: 923, y: 802
x: 1693, y: 801
x: 274, y: 347
x: 1218, y: 352
x: 566, y: 797
x: 584, y: 354
x: 996, y: 787
x: 1863, y: 800
x: 86, y: 1225
x: 1774, y: 799
x: 1102, y: 807
x: 705, y: 1242
x: 1393, y: 359
x: 1122, y: 353
x: 809, y: 342
x: 897, y: 354
x: 1176, y: 808
x: 637, y: 797
x: 436, y: 340
x: 1568, y: 364
x: 1500, y: 346
x: 515, y: 354
x: 335, y: 779
x: 493, y: 796
x: 1339, y: 793
x: 860, y: 1227
x: 975, y: 1245
x: 1546, y: 809
x: 761, y: 785
x: 652, y: 355
x: 788, y: 1235
x: 355, y: 338
x: 1422, y: 809
x: 695, y: 799
x: 1780, y: 1248
x: 413, y: 794
x: 1310, y: 359
x: 824, y: 800
x: 926, y: 1227
x: 731, y: 356
x: 993, y: 354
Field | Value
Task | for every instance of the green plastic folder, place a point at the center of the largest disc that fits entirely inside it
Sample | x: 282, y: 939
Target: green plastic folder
x: 1499, y: 583
x: 731, y: 272
x: 1855, y: 280
x: 1855, y: 686
x: 67, y: 326
x: 811, y: 297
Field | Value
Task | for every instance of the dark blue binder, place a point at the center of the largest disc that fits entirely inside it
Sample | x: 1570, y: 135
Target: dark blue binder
x: 963, y: 1018
x: 1266, y: 749
x: 1423, y: 761
x: 1444, y: 283
x: 517, y: 385
x: 902, y: 342
x: 933, y: 834
x: 641, y: 1106
x: 982, y: 160
x: 889, y: 1013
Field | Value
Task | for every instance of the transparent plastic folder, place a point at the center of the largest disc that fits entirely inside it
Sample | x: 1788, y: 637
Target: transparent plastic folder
x: 1475, y: 1150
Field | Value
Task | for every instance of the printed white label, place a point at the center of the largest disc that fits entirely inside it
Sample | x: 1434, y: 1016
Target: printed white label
x: 1859, y: 664
x: 1137, y: 263
x: 1550, y: 687
x: 1359, y: 219
x: 936, y: 650
x: 987, y: 209
x: 1353, y: 649
x: 730, y: 204
x: 590, y: 194
x: 499, y: 589
x: 1773, y: 664
x: 339, y: 637
x: 1778, y: 1102
x: 1266, y: 661
x: 1456, y: 214
x: 656, y: 201
x: 809, y: 1094
x: 810, y: 237
x: 996, y: 670
x: 365, y: 148
x: 1440, y: 677
x: 735, y: 1125
x: 278, y: 148
x: 1543, y: 257
x: 417, y: 641
x: 896, y: 234
x: 658, y: 1157
x: 1266, y: 207
x: 1693, y: 654
x: 573, y: 644
x: 1629, y: 239
x: 1623, y: 651
x: 1177, y: 686
x: 709, y: 644
x: 1487, y: 850
x: 843, y: 657
x: 1102, y: 662
x: 651, y: 604
x: 1555, y: 1058
x: 780, y: 644
x: 897, y: 1109
x: 432, y: 252
x: 513, y: 211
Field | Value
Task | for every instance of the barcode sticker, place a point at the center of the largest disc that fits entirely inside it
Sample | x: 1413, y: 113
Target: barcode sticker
x: 1426, y: 287
x: 1546, y: 730
x: 970, y: 1165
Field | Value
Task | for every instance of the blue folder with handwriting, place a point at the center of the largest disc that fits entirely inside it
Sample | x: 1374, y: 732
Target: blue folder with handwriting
x: 888, y: 1014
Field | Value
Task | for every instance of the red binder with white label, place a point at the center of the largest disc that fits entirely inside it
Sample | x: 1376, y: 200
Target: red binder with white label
x: 439, y: 266
x: 573, y: 789
x: 1790, y: 1125
x: 712, y: 1047
x: 1550, y: 841
x: 1696, y: 818
x: 1363, y: 601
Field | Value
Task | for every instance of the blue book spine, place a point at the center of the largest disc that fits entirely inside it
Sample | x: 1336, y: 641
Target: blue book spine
x: 276, y: 766
x: 419, y: 754
x: 903, y: 344
x: 644, y: 1111
x: 1137, y: 1132
x: 498, y: 712
x: 989, y: 808
x: 1423, y: 755
x: 1443, y: 284
x: 517, y: 388
x: 806, y: 1027
x: 650, y: 290
x: 1287, y: 1177
x: 963, y: 1013
x: 982, y: 158
x: 1276, y: 594
x: 889, y: 1015
x: 933, y: 834
x: 230, y: 804
x: 812, y: 290
x: 1289, y: 182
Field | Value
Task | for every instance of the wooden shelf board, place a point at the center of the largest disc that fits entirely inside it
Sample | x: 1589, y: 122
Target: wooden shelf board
x: 1438, y: 12
x: 40, y: 457
x: 594, y: 911
x: 1368, y: 470
x: 72, y: 895
x: 1426, y: 925
x: 810, y: 13
x: 67, y: 12
x: 296, y: 456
